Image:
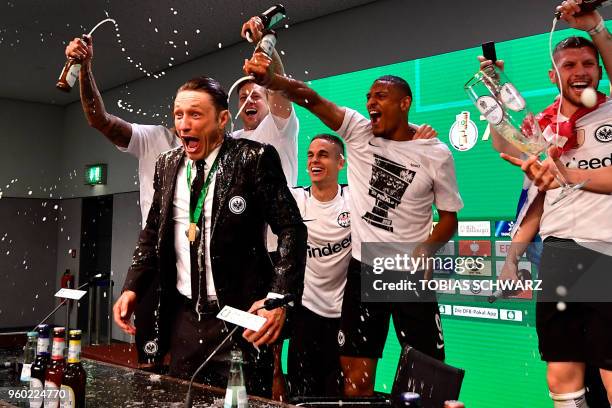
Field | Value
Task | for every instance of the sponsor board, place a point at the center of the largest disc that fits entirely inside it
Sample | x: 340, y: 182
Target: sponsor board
x: 513, y: 315
x: 474, y: 229
x: 446, y: 310
x: 450, y: 288
x: 475, y: 288
x: 447, y: 249
x: 476, y: 312
x: 502, y: 247
x: 521, y: 265
x: 475, y: 248
x: 446, y: 267
x: 484, y: 269
x: 524, y: 294
x: 503, y: 228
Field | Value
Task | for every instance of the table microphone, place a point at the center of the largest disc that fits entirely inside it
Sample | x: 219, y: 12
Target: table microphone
x: 588, y: 5
x: 97, y: 277
x: 269, y: 304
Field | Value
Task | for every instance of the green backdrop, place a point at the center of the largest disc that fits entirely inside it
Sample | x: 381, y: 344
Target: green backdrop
x: 501, y: 358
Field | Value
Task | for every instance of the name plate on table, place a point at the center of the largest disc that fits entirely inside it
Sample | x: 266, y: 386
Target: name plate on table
x: 66, y: 293
x: 241, y: 318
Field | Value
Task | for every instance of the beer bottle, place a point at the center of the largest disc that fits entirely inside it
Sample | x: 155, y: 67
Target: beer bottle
x: 267, y: 43
x: 70, y: 73
x: 73, y: 382
x: 235, y: 394
x: 55, y: 370
x: 39, y: 367
x: 29, y: 354
x: 269, y: 18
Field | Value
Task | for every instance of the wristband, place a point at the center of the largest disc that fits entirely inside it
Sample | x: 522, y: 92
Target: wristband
x: 598, y: 28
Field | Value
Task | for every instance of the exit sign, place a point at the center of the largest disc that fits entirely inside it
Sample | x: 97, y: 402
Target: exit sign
x: 95, y: 174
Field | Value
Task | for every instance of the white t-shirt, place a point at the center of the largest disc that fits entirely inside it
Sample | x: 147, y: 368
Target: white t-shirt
x: 394, y: 184
x: 584, y: 216
x: 329, y: 250
x: 146, y: 144
x: 282, y: 134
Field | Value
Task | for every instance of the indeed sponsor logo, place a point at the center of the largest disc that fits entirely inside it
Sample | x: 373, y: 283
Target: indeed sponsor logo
x: 329, y: 249
x: 594, y: 163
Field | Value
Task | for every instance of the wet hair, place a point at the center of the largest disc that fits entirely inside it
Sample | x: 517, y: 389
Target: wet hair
x: 398, y: 82
x: 332, y: 139
x: 574, y: 42
x: 242, y: 84
x: 209, y: 85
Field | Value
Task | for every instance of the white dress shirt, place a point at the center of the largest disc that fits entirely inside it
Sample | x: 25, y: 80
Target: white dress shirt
x: 180, y: 215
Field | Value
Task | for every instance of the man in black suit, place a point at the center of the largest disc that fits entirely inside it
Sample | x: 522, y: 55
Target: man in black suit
x: 227, y: 262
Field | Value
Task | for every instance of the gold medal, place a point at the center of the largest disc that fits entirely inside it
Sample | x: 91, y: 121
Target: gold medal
x: 192, y: 232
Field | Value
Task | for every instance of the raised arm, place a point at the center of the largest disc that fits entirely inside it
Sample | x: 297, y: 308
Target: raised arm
x: 260, y: 66
x: 593, y: 24
x: 280, y: 106
x: 524, y: 236
x: 117, y: 130
x: 543, y: 176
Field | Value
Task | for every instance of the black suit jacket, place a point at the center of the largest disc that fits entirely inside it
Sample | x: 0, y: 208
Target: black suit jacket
x: 250, y: 192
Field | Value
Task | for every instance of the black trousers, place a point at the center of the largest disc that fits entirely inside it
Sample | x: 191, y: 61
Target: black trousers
x: 193, y: 339
x: 313, y: 364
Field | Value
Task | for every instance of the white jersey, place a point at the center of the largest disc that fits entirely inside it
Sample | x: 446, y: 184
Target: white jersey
x: 146, y: 144
x: 394, y: 184
x: 329, y: 250
x: 584, y: 216
x: 282, y: 134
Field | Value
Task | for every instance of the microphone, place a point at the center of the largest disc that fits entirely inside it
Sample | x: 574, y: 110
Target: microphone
x: 93, y: 279
x: 523, y: 275
x: 273, y: 303
x: 587, y: 6
x: 269, y: 304
x: 99, y: 277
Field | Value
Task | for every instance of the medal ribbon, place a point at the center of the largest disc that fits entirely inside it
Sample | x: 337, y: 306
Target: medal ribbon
x: 194, y: 213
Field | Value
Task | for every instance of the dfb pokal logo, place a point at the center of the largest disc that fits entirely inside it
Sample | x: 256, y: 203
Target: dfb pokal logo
x: 344, y: 219
x: 463, y: 135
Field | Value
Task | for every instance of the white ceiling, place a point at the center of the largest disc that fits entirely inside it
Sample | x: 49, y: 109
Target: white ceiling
x: 155, y: 33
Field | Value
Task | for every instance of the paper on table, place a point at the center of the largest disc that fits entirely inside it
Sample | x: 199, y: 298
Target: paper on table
x: 66, y: 293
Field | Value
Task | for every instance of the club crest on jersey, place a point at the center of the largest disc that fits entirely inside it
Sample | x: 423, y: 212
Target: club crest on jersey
x: 344, y: 219
x: 237, y: 205
x: 341, y: 338
x: 150, y: 347
x: 604, y: 134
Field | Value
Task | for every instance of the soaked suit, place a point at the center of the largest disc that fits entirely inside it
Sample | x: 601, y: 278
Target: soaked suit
x: 242, y: 270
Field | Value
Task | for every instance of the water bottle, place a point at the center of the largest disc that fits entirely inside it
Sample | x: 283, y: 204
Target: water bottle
x: 235, y: 394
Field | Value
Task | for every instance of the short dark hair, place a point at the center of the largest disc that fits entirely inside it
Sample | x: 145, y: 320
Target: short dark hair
x: 330, y: 138
x: 396, y: 81
x: 242, y: 84
x: 209, y: 85
x: 575, y: 42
